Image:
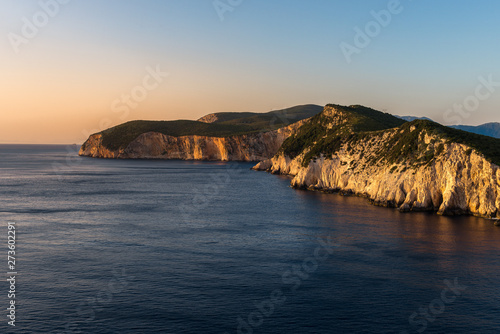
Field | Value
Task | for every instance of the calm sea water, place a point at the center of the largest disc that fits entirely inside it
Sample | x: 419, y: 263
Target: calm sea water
x: 110, y: 246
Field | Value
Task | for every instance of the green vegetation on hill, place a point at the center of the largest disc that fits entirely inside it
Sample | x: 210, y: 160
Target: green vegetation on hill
x: 360, y: 123
x: 229, y: 116
x: 488, y: 146
x: 407, y: 145
x: 235, y: 124
x: 367, y: 119
x: 122, y: 135
x: 273, y: 118
x: 317, y: 136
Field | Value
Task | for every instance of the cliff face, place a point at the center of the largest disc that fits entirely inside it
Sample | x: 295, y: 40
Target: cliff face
x: 210, y: 118
x: 444, y: 176
x: 153, y: 145
x: 94, y: 148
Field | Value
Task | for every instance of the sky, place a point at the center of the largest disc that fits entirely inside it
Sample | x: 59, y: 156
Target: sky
x: 70, y: 68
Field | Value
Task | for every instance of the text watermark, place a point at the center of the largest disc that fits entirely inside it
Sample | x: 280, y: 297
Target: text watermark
x: 462, y: 111
x: 31, y: 27
x: 12, y: 272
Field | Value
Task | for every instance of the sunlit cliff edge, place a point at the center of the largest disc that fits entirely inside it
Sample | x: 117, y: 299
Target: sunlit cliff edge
x: 154, y: 145
x: 215, y: 137
x: 416, y: 166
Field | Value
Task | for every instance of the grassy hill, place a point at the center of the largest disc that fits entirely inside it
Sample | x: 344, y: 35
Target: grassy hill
x: 406, y: 145
x: 230, y: 124
x: 360, y: 123
x: 320, y: 138
x: 276, y: 117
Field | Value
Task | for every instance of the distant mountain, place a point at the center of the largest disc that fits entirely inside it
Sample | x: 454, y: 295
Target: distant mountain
x: 412, y: 118
x: 488, y: 129
x: 276, y: 117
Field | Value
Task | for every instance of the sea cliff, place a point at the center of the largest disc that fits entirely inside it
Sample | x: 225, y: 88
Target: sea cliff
x: 154, y: 145
x: 434, y: 174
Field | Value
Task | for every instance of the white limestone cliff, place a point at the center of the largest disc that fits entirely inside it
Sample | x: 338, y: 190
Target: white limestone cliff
x: 458, y: 181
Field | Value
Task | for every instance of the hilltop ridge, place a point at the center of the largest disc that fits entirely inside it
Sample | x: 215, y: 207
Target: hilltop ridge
x: 276, y: 117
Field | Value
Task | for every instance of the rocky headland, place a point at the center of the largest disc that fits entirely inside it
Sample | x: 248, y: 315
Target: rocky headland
x: 416, y: 166
x: 154, y: 145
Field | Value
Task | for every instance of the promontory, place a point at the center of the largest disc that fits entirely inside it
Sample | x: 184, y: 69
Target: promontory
x: 413, y: 166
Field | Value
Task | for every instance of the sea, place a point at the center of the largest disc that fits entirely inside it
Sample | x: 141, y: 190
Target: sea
x: 148, y: 246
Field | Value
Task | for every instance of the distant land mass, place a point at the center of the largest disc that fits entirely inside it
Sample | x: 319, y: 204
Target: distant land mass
x: 412, y: 118
x: 488, y: 129
x: 262, y: 121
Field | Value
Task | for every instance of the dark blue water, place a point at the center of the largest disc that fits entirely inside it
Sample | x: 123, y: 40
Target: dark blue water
x: 109, y: 246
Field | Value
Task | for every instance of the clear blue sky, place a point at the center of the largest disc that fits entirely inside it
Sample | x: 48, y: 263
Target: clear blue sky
x: 265, y: 54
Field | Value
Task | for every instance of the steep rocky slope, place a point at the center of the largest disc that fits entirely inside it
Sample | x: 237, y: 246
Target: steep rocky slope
x: 415, y: 166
